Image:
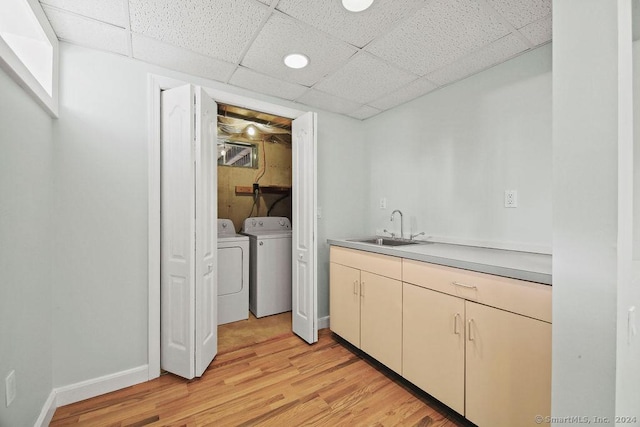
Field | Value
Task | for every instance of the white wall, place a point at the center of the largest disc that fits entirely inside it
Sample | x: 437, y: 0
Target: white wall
x: 25, y: 252
x: 446, y: 159
x: 100, y: 264
x: 100, y: 217
x: 585, y: 208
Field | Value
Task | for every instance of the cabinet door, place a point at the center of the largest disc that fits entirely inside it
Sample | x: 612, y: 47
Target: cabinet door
x: 508, y: 360
x: 381, y: 319
x: 433, y: 344
x: 344, y: 302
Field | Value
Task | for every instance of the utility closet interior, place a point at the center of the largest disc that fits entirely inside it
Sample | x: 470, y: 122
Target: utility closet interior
x: 254, y: 164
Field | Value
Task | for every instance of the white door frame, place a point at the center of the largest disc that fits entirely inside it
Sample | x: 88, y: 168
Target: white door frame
x: 155, y: 84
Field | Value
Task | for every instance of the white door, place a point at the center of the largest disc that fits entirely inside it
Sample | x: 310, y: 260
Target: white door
x: 304, y: 276
x: 188, y: 286
x: 206, y: 190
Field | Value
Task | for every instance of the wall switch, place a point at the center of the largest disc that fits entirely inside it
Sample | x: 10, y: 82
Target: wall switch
x: 510, y: 199
x: 10, y: 386
x: 383, y: 203
x: 319, y: 213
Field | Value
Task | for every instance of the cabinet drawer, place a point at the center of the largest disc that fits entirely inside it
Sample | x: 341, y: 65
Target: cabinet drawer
x: 518, y: 296
x: 383, y: 265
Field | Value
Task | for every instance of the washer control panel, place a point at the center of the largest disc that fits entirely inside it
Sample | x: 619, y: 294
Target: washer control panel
x: 266, y: 223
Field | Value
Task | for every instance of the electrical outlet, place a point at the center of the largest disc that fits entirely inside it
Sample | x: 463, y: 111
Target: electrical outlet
x: 10, y: 386
x: 383, y: 203
x: 319, y: 212
x: 510, y: 199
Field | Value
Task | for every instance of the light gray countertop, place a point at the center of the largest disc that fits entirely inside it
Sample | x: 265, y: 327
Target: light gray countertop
x: 527, y: 266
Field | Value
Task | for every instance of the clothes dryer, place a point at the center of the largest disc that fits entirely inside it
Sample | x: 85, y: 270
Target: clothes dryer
x: 233, y: 274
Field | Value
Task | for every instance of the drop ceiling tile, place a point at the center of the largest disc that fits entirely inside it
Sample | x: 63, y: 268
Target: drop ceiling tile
x: 404, y: 94
x: 365, y: 78
x: 220, y: 29
x: 87, y: 32
x: 282, y: 35
x: 538, y: 32
x: 260, y: 83
x: 355, y: 28
x: 325, y: 101
x: 438, y: 34
x: 364, y: 112
x: 521, y: 12
x: 497, y: 52
x: 175, y: 58
x: 109, y: 11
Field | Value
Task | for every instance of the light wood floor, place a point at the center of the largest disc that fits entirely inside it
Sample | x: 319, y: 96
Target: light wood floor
x: 282, y: 382
x: 252, y: 331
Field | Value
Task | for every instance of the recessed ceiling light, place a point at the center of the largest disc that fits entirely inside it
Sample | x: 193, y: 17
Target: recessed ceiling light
x: 356, y: 5
x: 296, y: 60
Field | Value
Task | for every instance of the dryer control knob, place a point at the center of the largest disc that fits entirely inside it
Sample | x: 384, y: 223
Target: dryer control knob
x: 282, y: 222
x: 261, y: 223
x: 224, y: 225
x: 261, y: 243
x: 253, y: 222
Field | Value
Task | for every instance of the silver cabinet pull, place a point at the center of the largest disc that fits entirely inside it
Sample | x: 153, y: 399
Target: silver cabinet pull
x: 355, y: 287
x: 462, y: 285
x: 456, y: 328
x: 471, y: 335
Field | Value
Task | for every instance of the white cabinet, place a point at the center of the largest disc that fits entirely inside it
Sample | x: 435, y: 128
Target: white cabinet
x: 493, y: 365
x: 434, y: 343
x: 344, y: 302
x: 508, y: 367
x: 479, y: 343
x: 365, y: 303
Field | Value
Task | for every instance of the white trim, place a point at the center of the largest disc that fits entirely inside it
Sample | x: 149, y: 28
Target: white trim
x: 49, y: 408
x: 323, y: 322
x: 97, y: 386
x: 155, y: 85
x: 15, y: 68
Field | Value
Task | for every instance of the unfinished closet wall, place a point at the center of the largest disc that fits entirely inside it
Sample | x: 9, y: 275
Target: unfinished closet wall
x: 253, y: 148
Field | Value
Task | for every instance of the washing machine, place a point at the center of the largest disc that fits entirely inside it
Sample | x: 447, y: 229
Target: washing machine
x: 233, y: 274
x: 270, y: 265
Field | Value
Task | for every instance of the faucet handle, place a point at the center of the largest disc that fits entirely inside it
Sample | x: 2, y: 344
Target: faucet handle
x: 393, y: 235
x: 416, y: 235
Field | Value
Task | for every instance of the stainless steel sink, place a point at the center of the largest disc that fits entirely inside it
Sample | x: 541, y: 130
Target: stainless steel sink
x: 383, y: 241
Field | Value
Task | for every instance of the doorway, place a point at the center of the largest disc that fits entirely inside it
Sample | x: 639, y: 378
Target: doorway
x: 304, y: 256
x: 254, y: 181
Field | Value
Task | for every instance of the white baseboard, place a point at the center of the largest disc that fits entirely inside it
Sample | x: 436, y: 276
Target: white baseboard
x: 323, y: 322
x: 95, y: 387
x: 49, y: 408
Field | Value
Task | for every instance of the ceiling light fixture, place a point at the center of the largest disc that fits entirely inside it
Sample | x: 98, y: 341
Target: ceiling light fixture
x: 356, y: 5
x: 296, y: 60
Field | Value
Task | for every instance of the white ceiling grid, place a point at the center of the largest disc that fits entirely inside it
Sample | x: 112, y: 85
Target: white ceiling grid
x: 360, y: 63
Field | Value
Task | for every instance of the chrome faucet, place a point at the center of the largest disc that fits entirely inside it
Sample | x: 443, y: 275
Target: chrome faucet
x: 401, y: 228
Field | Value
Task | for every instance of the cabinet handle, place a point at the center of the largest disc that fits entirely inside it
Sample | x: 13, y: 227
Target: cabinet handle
x: 471, y: 335
x: 462, y: 285
x: 362, y: 290
x: 355, y: 287
x: 456, y: 328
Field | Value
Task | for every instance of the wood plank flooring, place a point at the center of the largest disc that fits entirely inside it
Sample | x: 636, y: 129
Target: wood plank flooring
x: 280, y: 382
x: 252, y: 331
